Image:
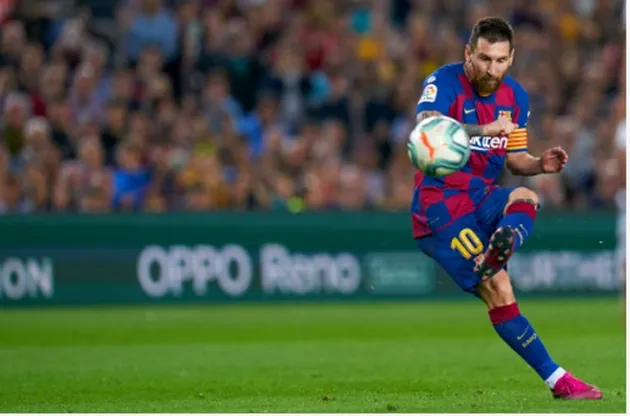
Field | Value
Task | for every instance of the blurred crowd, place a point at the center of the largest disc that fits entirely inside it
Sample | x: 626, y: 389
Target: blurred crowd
x: 196, y: 105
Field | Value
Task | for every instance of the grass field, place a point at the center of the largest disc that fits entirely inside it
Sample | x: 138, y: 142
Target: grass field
x: 384, y: 357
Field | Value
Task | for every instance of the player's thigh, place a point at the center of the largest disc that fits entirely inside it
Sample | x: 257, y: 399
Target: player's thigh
x: 455, y: 248
x: 490, y: 211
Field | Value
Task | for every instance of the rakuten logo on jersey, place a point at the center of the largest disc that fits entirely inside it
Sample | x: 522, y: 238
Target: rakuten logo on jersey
x: 486, y: 143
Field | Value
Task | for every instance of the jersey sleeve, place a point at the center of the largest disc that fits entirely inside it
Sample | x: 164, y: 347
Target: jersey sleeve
x: 517, y: 141
x: 438, y: 93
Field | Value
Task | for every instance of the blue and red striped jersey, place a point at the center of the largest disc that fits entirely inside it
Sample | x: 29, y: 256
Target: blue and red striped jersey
x: 438, y: 201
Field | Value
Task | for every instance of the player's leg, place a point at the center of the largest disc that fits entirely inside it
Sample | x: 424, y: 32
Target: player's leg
x: 454, y: 248
x: 502, y: 212
x: 467, y: 240
x: 516, y: 210
x: 516, y: 331
x: 520, y: 213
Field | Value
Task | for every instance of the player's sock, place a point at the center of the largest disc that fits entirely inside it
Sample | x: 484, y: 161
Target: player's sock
x: 519, y: 334
x: 520, y: 216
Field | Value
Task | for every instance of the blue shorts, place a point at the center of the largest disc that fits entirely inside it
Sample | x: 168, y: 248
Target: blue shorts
x: 456, y: 246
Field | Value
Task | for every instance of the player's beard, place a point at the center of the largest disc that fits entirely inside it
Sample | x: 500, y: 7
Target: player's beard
x: 486, y: 84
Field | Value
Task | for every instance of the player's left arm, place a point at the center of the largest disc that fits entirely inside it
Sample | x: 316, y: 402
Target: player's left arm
x: 519, y: 160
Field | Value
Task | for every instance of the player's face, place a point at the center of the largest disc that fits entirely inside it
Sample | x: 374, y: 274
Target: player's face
x: 487, y: 64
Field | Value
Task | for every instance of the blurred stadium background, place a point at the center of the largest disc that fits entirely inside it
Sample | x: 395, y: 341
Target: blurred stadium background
x: 207, y: 153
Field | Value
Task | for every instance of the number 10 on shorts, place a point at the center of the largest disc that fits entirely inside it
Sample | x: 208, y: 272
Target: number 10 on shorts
x: 467, y: 243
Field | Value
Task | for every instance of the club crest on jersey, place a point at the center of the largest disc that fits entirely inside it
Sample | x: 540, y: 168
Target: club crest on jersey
x: 505, y: 113
x: 487, y: 143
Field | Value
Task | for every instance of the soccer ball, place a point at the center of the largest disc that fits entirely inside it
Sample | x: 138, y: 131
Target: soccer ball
x: 438, y: 146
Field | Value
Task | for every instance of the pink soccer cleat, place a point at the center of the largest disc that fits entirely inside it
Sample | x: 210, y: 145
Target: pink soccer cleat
x: 499, y: 251
x: 571, y: 388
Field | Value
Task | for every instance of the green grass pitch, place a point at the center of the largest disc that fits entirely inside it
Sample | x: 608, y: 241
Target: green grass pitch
x: 369, y: 357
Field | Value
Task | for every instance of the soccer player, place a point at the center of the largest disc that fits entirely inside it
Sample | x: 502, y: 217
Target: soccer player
x: 465, y: 222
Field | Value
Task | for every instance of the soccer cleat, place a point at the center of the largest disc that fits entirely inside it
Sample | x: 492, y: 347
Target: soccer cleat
x: 572, y: 388
x: 499, y: 251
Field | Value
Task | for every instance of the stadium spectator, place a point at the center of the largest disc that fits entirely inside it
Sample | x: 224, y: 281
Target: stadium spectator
x: 203, y: 105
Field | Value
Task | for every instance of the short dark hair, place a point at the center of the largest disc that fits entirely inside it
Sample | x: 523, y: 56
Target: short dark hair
x: 492, y: 29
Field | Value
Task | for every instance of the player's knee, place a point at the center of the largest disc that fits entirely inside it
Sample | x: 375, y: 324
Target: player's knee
x: 497, y: 291
x: 522, y: 193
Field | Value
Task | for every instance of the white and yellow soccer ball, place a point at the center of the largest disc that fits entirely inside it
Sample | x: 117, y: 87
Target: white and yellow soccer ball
x: 438, y: 146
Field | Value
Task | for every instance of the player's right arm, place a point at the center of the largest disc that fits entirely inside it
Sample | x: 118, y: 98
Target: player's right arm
x: 471, y: 129
x: 500, y: 126
x: 437, y: 97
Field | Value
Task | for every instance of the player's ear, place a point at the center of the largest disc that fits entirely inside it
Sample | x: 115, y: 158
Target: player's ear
x: 467, y: 53
x: 511, y: 61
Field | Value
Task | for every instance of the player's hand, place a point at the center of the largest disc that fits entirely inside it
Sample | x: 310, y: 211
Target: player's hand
x: 501, y: 127
x: 553, y: 160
